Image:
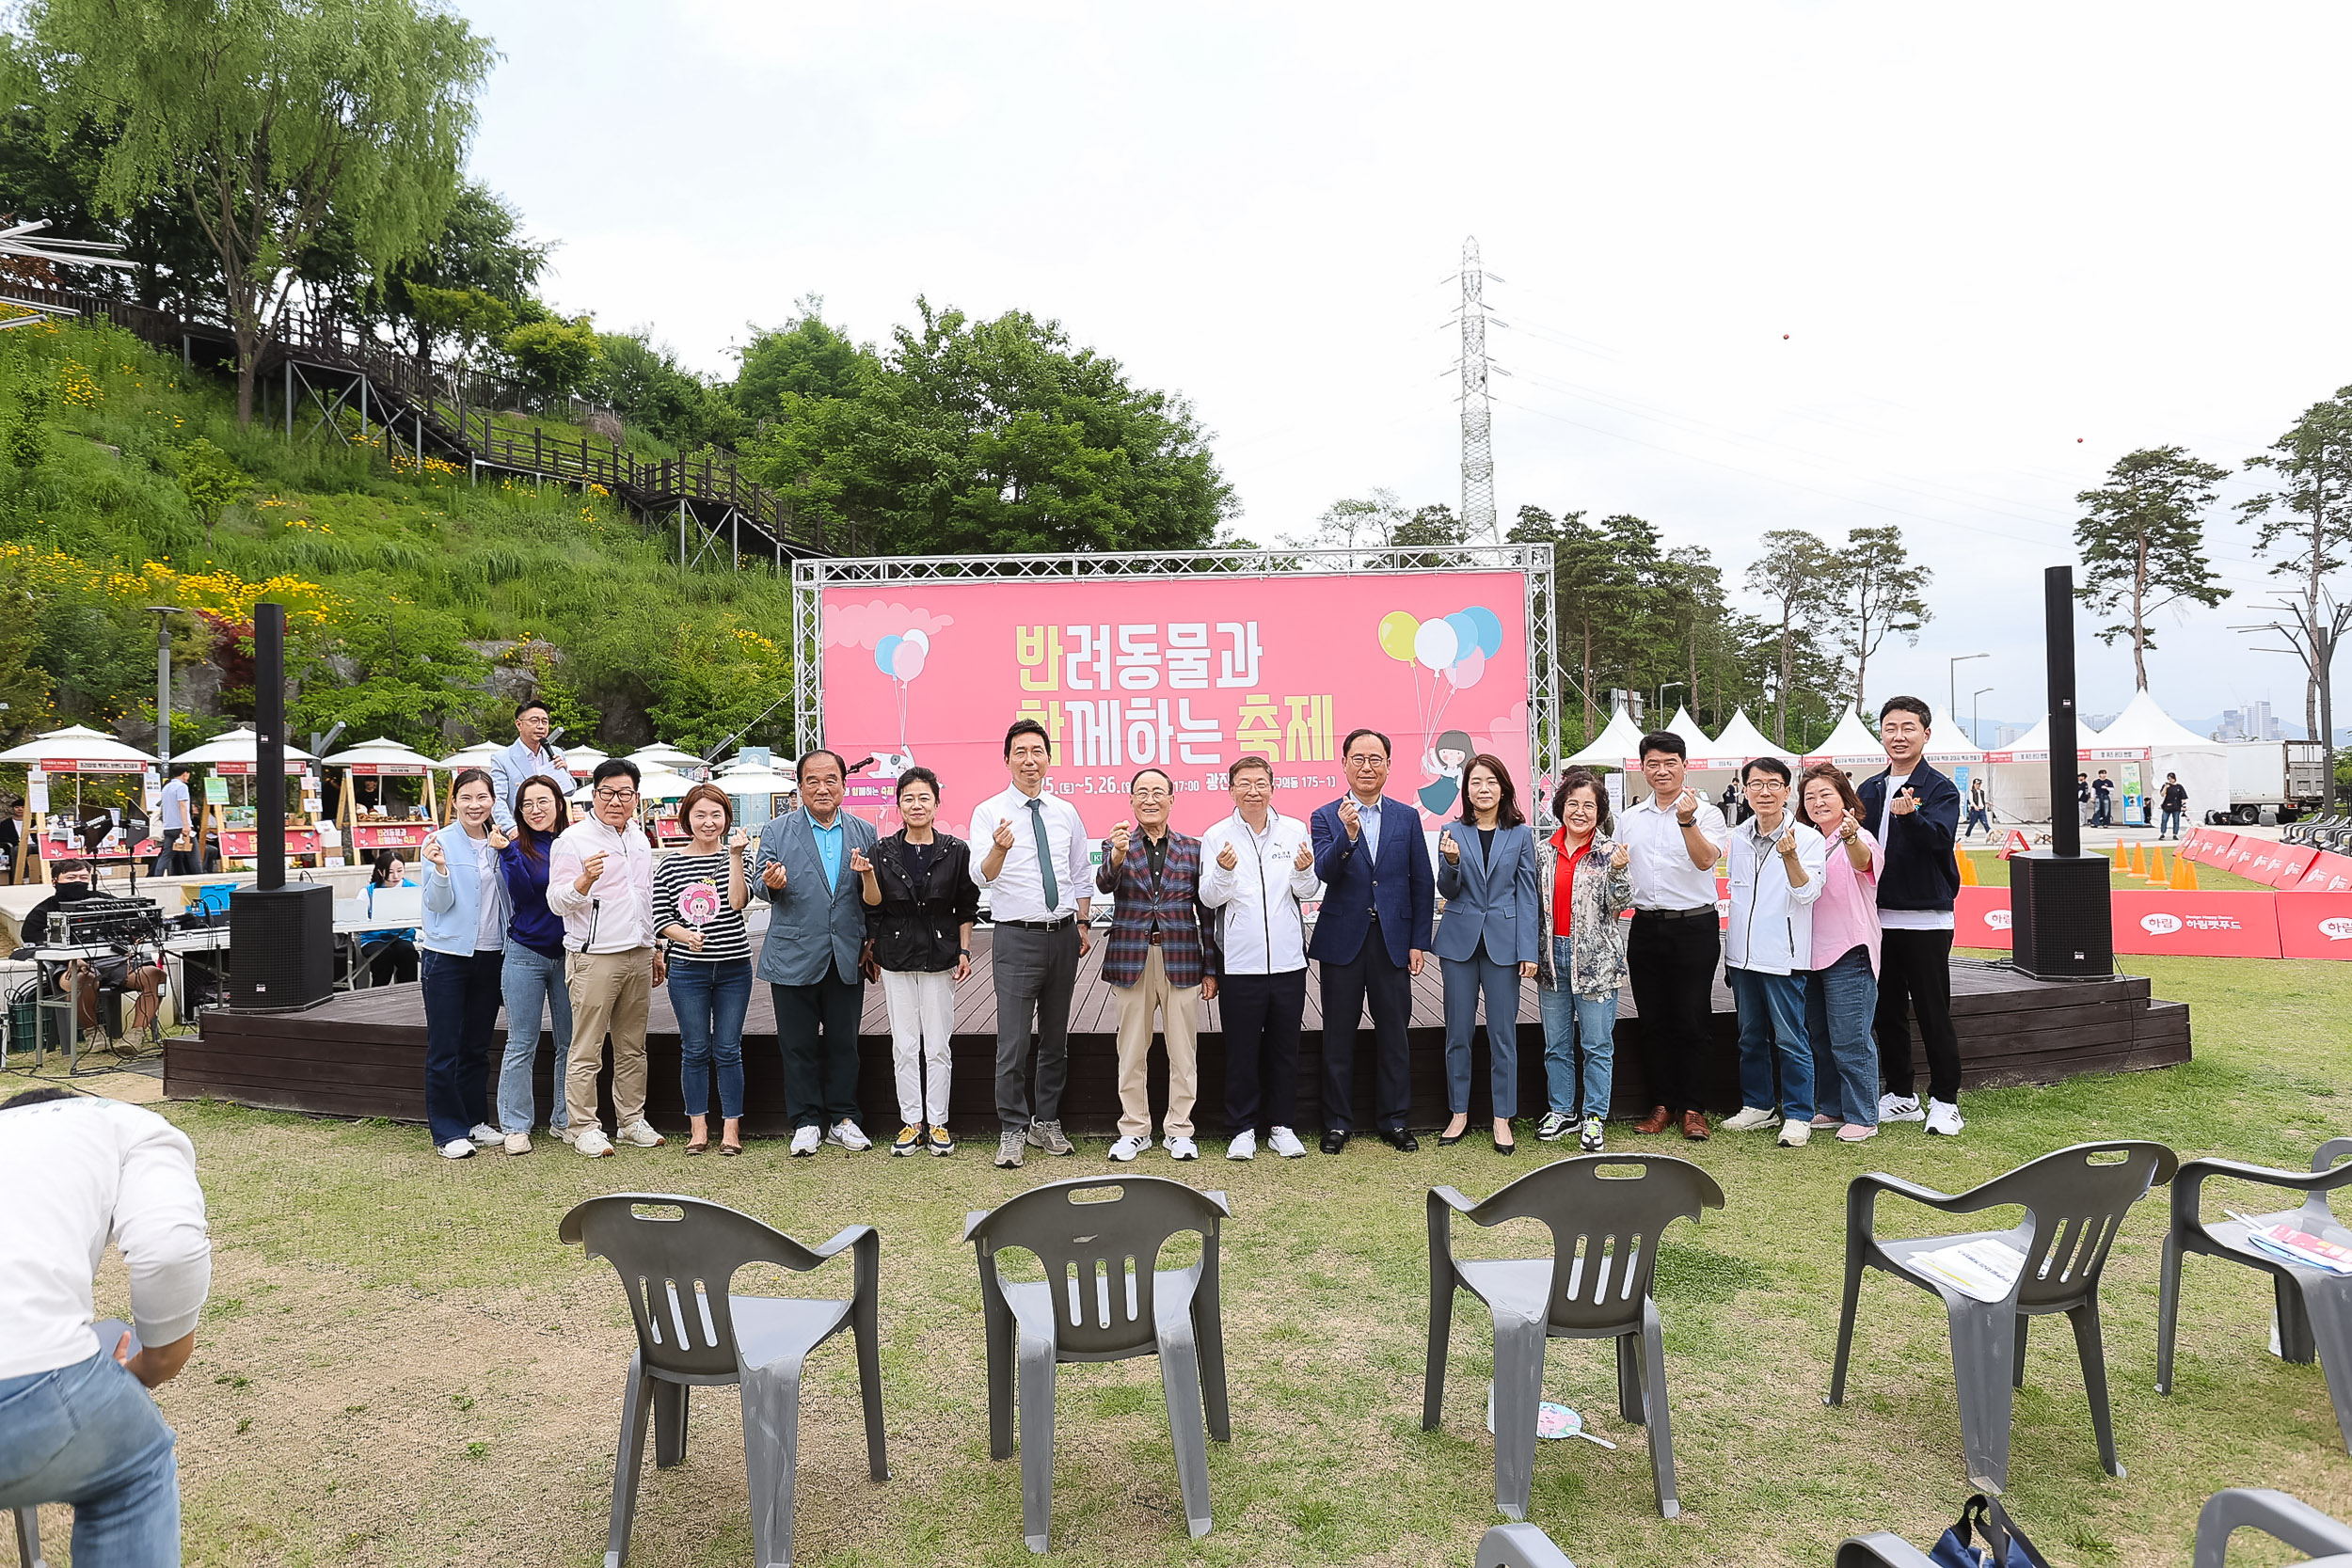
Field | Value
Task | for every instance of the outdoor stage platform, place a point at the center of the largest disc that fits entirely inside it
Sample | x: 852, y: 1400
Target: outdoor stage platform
x: 363, y: 1053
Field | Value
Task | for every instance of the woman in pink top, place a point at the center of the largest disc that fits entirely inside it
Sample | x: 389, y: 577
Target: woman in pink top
x: 1841, y: 993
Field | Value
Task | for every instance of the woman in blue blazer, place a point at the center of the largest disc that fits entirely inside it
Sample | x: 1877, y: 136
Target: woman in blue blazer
x: 1486, y: 939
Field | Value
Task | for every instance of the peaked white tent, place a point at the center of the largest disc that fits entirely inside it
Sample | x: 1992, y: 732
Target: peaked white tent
x: 2203, y: 765
x: 1851, y: 745
x: 1612, y: 746
x: 238, y: 751
x: 1949, y: 745
x: 1702, y: 758
x: 1742, y: 741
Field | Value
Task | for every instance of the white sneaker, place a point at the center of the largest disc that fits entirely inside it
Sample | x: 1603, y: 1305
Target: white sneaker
x: 1899, y: 1107
x: 1009, y: 1144
x: 848, y: 1135
x: 1183, y: 1148
x: 457, y: 1149
x: 1244, y: 1147
x: 1285, y: 1143
x: 1793, y: 1133
x: 1127, y: 1149
x: 641, y: 1134
x: 485, y: 1135
x: 593, y: 1143
x: 1944, y: 1118
x: 517, y: 1142
x: 804, y: 1141
x: 1752, y: 1118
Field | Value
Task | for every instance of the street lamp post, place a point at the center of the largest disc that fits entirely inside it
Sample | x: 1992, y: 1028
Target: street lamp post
x: 1976, y: 719
x: 1951, y: 694
x: 162, y: 613
x: 1661, y: 697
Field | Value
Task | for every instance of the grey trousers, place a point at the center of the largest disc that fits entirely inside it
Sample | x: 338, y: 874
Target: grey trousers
x: 1035, y: 972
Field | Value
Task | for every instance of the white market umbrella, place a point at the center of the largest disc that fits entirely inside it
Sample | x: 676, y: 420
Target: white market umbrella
x: 580, y: 761
x: 78, y: 749
x: 225, y: 753
x: 380, y: 755
x: 479, y: 754
x: 660, y: 755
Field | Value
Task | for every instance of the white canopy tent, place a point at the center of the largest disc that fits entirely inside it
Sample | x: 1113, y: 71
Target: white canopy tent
x: 1612, y: 746
x: 2203, y: 765
x: 76, y: 749
x: 1702, y: 758
x: 2019, y: 773
x: 1851, y: 745
x: 1742, y: 741
x: 1949, y: 745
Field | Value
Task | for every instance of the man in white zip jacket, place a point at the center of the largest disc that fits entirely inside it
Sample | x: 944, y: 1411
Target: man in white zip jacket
x: 1776, y: 863
x: 600, y: 881
x: 1257, y: 866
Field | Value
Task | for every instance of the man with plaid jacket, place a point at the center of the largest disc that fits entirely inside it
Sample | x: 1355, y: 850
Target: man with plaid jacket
x: 1162, y: 958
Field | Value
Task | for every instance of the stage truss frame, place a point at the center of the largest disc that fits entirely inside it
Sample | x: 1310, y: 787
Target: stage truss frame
x: 812, y: 578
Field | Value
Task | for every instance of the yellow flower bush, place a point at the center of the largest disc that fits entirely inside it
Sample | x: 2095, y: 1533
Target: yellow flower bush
x: 221, y: 593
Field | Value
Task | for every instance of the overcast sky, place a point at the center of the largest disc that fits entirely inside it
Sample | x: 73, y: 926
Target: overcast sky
x: 1763, y: 266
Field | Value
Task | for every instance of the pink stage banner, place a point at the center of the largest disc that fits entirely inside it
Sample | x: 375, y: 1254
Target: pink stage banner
x: 1180, y: 673
x: 2240, y: 925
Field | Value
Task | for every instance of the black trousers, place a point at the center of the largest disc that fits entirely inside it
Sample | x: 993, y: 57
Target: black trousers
x: 1916, y: 970
x: 1371, y: 977
x: 1672, y: 964
x: 1260, y: 1016
x: 816, y: 1028
x: 1036, y: 973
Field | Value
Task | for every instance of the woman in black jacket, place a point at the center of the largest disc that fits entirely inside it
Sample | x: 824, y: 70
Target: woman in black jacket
x: 920, y: 904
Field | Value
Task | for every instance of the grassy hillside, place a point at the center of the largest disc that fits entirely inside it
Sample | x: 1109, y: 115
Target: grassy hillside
x: 421, y: 604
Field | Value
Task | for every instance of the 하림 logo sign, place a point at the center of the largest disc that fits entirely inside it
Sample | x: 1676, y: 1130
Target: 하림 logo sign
x: 2159, y: 924
x: 2337, y: 928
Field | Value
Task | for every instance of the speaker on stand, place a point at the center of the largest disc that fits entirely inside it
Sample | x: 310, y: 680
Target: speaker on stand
x: 282, y: 939
x: 2061, y: 921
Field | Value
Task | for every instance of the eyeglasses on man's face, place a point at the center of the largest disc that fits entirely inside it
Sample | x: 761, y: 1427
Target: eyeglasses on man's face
x: 616, y: 797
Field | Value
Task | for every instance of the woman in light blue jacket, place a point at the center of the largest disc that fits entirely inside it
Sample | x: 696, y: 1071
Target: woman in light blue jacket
x: 462, y: 968
x: 1487, y: 940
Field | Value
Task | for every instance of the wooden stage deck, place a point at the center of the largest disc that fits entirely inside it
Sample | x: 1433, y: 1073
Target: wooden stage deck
x: 363, y: 1053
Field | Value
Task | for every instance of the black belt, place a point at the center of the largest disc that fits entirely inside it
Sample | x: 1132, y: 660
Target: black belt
x: 1708, y: 910
x: 1039, y: 925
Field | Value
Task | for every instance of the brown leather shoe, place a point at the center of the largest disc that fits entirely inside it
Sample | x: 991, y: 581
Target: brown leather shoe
x: 1653, y: 1123
x: 1695, y: 1126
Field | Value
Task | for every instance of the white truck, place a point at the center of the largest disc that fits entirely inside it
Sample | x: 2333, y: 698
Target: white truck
x: 2273, y: 781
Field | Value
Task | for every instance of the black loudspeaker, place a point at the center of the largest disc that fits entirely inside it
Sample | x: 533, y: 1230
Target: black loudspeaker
x: 2060, y: 920
x: 281, y: 944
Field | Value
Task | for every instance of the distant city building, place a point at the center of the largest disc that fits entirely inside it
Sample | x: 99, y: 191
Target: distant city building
x: 2006, y: 735
x: 2254, y: 721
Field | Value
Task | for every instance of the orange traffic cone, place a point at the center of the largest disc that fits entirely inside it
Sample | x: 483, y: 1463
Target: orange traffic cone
x: 2119, y: 856
x: 2155, y: 866
x: 2134, y: 865
x: 2183, y: 874
x: 1967, y: 867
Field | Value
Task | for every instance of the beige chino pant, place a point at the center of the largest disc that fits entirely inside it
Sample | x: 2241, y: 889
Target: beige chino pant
x: 1180, y: 1007
x: 611, y: 993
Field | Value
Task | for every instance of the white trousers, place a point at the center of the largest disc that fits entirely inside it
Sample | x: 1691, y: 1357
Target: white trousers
x: 922, y: 1011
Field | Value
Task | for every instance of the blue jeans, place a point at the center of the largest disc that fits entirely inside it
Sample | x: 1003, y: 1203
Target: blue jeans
x: 461, y: 1014
x: 2170, y: 824
x: 89, y: 1435
x: 1575, y: 1024
x: 534, y: 983
x: 1464, y: 980
x: 709, y: 1000
x: 1771, y: 1027
x: 1839, y: 1003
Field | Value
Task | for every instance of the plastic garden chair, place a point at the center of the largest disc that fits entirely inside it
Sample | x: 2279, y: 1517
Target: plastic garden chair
x: 676, y: 1258
x: 1519, y: 1546
x: 1606, y: 1213
x: 1102, y: 1299
x: 2074, y: 1202
x: 2314, y: 1306
x: 2296, y: 1525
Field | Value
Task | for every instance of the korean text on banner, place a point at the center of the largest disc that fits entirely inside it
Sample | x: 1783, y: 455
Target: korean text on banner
x: 1185, y: 674
x: 2314, y: 924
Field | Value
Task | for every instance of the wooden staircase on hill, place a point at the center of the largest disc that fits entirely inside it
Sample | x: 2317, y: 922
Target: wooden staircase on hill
x: 326, y: 366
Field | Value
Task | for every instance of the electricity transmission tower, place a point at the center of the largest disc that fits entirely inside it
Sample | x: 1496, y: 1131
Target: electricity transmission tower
x: 1478, y: 448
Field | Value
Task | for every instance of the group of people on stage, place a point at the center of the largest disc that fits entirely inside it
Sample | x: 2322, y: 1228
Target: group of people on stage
x: 1831, y: 947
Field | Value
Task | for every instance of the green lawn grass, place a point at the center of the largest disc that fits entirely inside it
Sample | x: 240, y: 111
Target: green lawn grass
x: 1992, y: 871
x: 403, y: 1365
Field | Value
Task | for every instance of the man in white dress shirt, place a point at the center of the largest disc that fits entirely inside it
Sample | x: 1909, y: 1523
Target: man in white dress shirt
x: 1256, y: 868
x: 1030, y: 852
x: 1671, y: 952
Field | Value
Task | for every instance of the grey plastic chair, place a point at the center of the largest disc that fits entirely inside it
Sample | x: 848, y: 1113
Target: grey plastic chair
x: 692, y: 1329
x: 2295, y: 1524
x: 1102, y: 1299
x: 110, y: 1332
x: 2074, y: 1202
x: 2314, y: 1306
x: 1519, y: 1546
x: 1596, y: 1285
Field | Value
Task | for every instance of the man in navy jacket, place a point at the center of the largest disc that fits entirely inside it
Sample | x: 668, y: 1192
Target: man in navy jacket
x: 1914, y: 811
x: 1380, y: 899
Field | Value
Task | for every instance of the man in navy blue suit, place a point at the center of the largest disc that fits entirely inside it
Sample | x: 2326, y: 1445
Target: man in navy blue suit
x: 1379, y: 897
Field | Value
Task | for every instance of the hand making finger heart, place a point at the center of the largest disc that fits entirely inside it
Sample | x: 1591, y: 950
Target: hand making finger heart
x: 1003, y: 837
x: 1227, y: 857
x: 1306, y: 855
x: 771, y: 876
x: 1452, y: 851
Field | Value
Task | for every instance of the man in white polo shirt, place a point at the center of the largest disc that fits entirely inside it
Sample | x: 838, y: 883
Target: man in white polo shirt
x: 76, y: 1424
x: 1674, y: 838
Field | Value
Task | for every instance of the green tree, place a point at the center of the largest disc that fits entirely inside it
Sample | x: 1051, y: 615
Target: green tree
x: 24, y: 683
x: 267, y: 119
x: 469, y: 316
x: 1434, y: 529
x: 469, y: 277
x: 647, y: 387
x: 2303, y: 527
x: 555, y: 358
x: 803, y: 359
x: 2143, y: 543
x: 1796, y: 577
x: 209, y: 480
x: 1880, y: 591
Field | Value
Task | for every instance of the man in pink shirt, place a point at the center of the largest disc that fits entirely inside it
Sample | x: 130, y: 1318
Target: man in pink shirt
x: 600, y: 881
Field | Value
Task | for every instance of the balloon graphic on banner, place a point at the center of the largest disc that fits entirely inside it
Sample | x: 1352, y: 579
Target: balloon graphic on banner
x: 1397, y: 628
x: 1490, y: 628
x: 1465, y: 634
x: 885, y: 652
x: 1467, y: 669
x: 1435, y: 644
x: 906, y: 659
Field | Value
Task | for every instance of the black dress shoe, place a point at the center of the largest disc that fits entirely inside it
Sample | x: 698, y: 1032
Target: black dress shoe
x: 1334, y: 1141
x: 1449, y: 1140
x: 1400, y: 1140
x: 1501, y: 1147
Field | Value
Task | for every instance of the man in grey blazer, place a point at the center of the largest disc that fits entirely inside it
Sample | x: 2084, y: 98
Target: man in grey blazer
x: 810, y: 869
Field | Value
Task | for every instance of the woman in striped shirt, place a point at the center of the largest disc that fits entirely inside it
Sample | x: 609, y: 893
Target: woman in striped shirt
x: 698, y: 899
